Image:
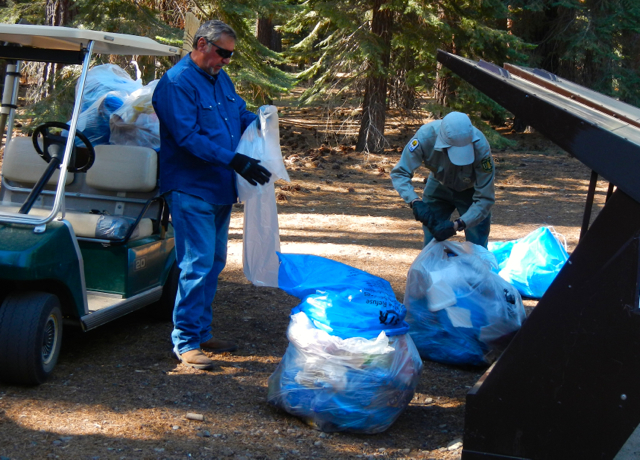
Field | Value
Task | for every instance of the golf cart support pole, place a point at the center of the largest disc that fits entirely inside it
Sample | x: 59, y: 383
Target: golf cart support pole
x: 9, y: 98
x: 72, y: 128
x: 568, y: 385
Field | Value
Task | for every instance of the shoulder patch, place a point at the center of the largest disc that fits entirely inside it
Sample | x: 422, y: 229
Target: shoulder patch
x: 487, y: 165
x: 413, y: 145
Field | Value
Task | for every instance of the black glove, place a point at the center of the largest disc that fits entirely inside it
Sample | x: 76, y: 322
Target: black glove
x: 250, y: 169
x: 422, y: 212
x: 443, y: 231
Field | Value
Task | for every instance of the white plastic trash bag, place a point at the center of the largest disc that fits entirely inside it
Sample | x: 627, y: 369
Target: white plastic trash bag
x: 263, y: 145
x: 105, y: 78
x: 135, y: 122
x: 356, y: 384
x: 261, y: 238
x: 459, y: 311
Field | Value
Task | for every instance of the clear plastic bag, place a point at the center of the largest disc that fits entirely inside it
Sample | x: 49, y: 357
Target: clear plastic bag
x: 106, y: 88
x: 533, y: 262
x: 459, y: 310
x: 105, y: 78
x: 356, y: 384
x: 136, y: 122
x: 263, y: 145
x: 94, y: 121
x: 261, y: 234
x: 341, y: 300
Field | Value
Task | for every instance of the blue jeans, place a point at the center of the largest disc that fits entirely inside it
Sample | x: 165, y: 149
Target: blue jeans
x: 201, y: 232
x: 443, y: 201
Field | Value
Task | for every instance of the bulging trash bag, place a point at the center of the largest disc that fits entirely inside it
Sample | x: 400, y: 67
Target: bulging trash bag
x: 261, y: 235
x: 135, y: 122
x: 106, y: 88
x: 105, y: 78
x: 460, y: 311
x: 341, y: 300
x: 501, y: 250
x: 533, y: 262
x: 94, y: 121
x: 356, y: 384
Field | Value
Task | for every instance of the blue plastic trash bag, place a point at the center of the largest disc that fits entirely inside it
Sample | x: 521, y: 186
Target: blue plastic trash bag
x: 533, y: 262
x: 94, y: 121
x: 501, y: 250
x: 459, y: 310
x: 357, y: 385
x: 339, y: 299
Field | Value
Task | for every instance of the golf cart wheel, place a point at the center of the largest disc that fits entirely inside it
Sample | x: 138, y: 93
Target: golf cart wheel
x: 163, y: 309
x: 30, y: 337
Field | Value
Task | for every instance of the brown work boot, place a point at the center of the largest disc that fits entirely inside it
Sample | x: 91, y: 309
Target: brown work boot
x: 219, y: 346
x: 197, y: 359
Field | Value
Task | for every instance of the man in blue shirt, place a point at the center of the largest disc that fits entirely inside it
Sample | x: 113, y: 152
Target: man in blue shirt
x: 201, y: 121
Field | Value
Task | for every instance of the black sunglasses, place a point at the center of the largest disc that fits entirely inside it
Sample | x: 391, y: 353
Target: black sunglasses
x: 223, y: 53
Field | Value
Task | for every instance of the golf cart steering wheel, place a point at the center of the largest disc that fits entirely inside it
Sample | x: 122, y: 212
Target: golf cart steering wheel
x: 85, y: 155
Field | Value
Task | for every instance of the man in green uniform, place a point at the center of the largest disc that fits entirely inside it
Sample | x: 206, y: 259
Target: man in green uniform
x: 462, y: 177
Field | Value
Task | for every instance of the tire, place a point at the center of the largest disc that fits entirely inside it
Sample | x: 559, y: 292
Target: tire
x: 30, y: 337
x: 162, y: 310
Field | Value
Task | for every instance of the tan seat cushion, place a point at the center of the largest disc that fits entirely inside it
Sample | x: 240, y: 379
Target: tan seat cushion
x: 124, y: 168
x: 21, y: 163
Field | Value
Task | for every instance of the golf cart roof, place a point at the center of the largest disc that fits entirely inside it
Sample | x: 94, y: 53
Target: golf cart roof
x: 69, y: 39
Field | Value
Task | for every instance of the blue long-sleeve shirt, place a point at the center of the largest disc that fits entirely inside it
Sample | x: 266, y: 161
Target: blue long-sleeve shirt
x: 201, y: 121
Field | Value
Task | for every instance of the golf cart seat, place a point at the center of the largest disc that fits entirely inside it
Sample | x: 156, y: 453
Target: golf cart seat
x: 118, y: 172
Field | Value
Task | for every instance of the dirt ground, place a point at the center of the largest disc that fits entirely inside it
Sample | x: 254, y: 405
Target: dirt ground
x: 117, y: 393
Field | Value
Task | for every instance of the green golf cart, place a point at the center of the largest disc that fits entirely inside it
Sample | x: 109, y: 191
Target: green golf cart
x: 85, y: 238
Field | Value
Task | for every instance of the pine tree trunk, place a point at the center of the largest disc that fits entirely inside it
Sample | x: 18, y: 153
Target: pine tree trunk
x: 58, y: 12
x: 268, y: 35
x: 542, y: 29
x: 371, y: 135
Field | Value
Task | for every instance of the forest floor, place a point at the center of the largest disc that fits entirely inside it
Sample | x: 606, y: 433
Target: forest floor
x: 117, y: 393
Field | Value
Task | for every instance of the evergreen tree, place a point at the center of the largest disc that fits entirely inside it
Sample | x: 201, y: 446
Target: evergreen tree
x: 348, y: 54
x: 590, y: 42
x: 374, y: 105
x: 475, y: 29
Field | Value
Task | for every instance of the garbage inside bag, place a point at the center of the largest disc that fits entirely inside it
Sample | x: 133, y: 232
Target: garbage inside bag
x: 136, y: 122
x: 103, y: 79
x: 531, y: 263
x: 339, y: 299
x: 94, y: 121
x: 106, y: 87
x: 356, y: 384
x: 460, y: 311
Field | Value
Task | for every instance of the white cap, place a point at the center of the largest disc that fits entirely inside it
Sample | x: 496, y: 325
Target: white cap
x: 456, y: 135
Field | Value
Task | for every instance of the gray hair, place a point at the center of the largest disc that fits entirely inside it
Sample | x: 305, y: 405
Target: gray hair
x: 212, y: 31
